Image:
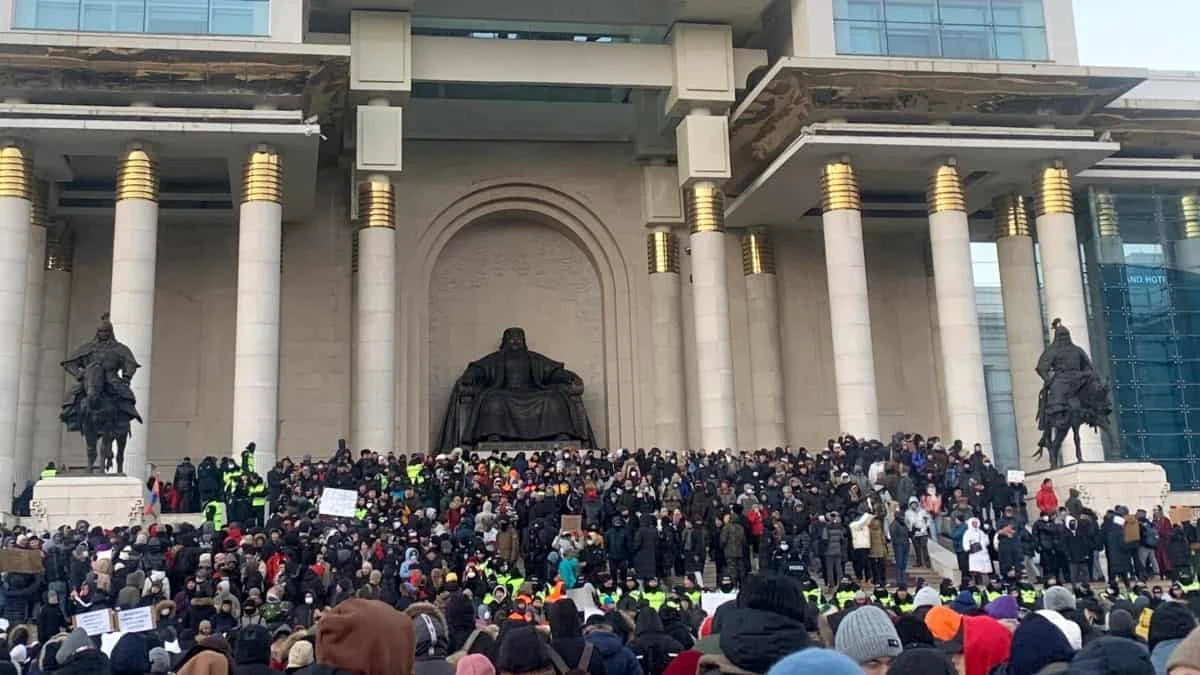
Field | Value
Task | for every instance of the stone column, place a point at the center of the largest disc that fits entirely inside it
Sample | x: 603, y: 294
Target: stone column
x: 849, y: 309
x: 1061, y: 272
x: 1187, y: 247
x: 56, y: 305
x: 766, y: 360
x: 1109, y: 247
x: 704, y: 210
x: 1022, y: 318
x: 666, y: 332
x: 256, y: 347
x: 16, y: 186
x: 958, y: 322
x: 135, y: 255
x: 374, y: 397
x: 31, y: 337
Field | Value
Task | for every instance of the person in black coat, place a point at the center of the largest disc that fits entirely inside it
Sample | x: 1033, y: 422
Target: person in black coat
x: 674, y: 625
x: 645, y: 549
x: 651, y: 643
x: 617, y: 545
x: 566, y: 636
x: 185, y: 485
x: 252, y: 651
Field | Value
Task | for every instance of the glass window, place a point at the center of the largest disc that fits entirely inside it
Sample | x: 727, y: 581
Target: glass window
x: 965, y: 29
x: 180, y: 17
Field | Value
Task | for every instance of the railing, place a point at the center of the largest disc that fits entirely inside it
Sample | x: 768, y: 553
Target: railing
x: 171, y: 17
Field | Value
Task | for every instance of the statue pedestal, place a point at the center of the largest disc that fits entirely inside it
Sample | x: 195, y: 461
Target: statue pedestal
x: 488, y: 448
x: 1103, y: 485
x: 100, y: 499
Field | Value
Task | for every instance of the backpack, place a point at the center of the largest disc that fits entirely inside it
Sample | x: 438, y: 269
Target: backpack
x: 1149, y: 536
x: 561, y: 667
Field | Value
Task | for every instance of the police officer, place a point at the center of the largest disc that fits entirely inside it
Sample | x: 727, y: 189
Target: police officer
x: 49, y: 472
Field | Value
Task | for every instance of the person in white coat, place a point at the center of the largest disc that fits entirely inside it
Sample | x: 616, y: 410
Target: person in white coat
x: 975, y: 543
x: 860, y: 544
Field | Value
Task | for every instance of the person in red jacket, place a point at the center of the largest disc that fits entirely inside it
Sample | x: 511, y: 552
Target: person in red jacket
x: 1046, y: 500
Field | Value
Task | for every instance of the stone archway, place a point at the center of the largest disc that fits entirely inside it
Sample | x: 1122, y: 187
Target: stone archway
x: 494, y: 202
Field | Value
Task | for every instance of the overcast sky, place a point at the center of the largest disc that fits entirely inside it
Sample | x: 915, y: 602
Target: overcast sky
x: 1142, y: 33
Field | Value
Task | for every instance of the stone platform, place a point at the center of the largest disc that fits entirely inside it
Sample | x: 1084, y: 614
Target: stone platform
x: 100, y: 499
x: 1103, y: 485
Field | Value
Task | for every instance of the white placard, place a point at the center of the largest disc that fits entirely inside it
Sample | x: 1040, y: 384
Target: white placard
x: 135, y: 620
x: 337, y: 502
x: 108, y: 642
x: 1015, y: 476
x: 98, y: 622
x: 585, y: 601
x: 711, y: 601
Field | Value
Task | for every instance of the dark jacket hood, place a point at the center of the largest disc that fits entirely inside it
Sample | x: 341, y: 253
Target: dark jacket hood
x: 432, y: 638
x: 755, y: 639
x: 252, y: 645
x: 648, y: 621
x: 606, y: 643
x: 564, y: 619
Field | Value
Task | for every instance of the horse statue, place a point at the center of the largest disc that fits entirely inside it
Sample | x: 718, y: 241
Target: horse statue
x: 1072, y: 395
x: 101, y: 405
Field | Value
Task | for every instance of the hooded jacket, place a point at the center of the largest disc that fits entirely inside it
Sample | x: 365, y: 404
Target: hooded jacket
x: 618, y: 659
x: 653, y: 647
x: 432, y: 640
x: 252, y: 651
x: 363, y: 637
x: 754, y: 639
x: 567, y: 636
x: 131, y: 654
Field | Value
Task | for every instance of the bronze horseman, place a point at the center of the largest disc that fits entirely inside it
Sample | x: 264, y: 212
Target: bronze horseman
x: 1072, y: 394
x: 515, y: 394
x: 101, y: 405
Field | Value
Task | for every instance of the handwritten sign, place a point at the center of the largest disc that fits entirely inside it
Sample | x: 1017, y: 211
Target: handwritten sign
x: 1015, y: 476
x: 135, y: 620
x: 98, y: 622
x: 337, y: 502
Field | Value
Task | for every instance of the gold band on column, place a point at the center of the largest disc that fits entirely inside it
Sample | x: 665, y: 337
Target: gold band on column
x: 945, y: 190
x: 37, y: 211
x: 16, y: 172
x: 262, y: 180
x: 376, y: 204
x: 758, y: 255
x: 1012, y: 219
x: 60, y: 249
x: 839, y: 187
x: 1107, y: 224
x: 137, y: 176
x: 1189, y: 206
x: 662, y: 252
x: 1052, y: 192
x: 704, y: 208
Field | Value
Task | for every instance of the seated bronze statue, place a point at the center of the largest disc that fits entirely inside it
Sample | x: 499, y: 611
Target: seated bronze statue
x: 515, y: 394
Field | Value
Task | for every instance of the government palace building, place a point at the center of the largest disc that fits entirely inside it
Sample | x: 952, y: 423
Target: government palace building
x: 742, y: 223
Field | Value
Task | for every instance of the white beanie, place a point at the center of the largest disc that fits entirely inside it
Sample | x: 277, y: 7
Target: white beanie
x: 1069, y: 628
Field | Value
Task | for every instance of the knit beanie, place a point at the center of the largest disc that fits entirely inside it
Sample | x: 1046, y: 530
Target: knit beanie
x: 867, y: 633
x: 922, y: 661
x: 1068, y: 627
x: 1058, y: 598
x: 913, y: 632
x: 943, y: 623
x: 1171, y: 621
x: 1120, y: 624
x: 160, y: 660
x: 1003, y: 607
x: 1187, y: 653
x: 815, y: 660
x: 77, y: 641
x: 521, y: 651
x: 927, y: 597
x: 1037, y: 643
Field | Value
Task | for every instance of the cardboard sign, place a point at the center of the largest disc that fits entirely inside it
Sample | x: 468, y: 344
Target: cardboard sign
x: 572, y: 524
x: 337, y: 502
x: 135, y: 620
x: 94, y: 623
x: 20, y: 560
x: 1015, y: 476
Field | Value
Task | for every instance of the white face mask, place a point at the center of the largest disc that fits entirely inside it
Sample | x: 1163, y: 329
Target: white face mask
x: 308, y: 601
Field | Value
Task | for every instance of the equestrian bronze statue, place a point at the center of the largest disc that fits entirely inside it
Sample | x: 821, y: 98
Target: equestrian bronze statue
x: 1072, y: 394
x: 101, y: 405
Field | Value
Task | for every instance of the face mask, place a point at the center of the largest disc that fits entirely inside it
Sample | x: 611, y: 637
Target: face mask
x: 308, y: 601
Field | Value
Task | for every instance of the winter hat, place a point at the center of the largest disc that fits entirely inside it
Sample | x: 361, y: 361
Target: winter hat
x: 521, y: 651
x: 474, y: 664
x: 77, y: 641
x: 1068, y: 627
x: 1037, y: 643
x: 300, y: 655
x: 367, y: 637
x: 1120, y: 624
x: 922, y: 661
x: 1112, y: 656
x: 1058, y: 598
x: 913, y: 631
x: 1171, y: 621
x: 943, y: 623
x: 867, y: 633
x: 160, y: 660
x: 1187, y: 653
x: 927, y: 597
x: 1003, y: 607
x: 815, y: 660
x: 963, y: 602
x: 774, y: 593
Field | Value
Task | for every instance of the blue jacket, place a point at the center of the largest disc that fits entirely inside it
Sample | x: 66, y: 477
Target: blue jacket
x: 618, y: 659
x: 956, y: 536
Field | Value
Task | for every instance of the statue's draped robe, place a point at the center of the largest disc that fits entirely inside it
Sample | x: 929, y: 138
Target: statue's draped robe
x: 521, y: 396
x: 120, y: 402
x: 1069, y: 386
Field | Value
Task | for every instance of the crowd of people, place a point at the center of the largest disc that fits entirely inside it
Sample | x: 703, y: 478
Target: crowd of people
x: 566, y: 561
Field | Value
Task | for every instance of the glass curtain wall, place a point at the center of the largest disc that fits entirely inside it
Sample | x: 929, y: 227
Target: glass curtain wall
x: 989, y: 307
x: 177, y: 17
x: 956, y: 29
x: 1142, y: 251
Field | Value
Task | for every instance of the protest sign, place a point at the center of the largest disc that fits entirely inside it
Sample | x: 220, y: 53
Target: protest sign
x: 135, y: 620
x: 94, y: 623
x: 21, y: 561
x: 337, y: 502
x: 1015, y: 476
